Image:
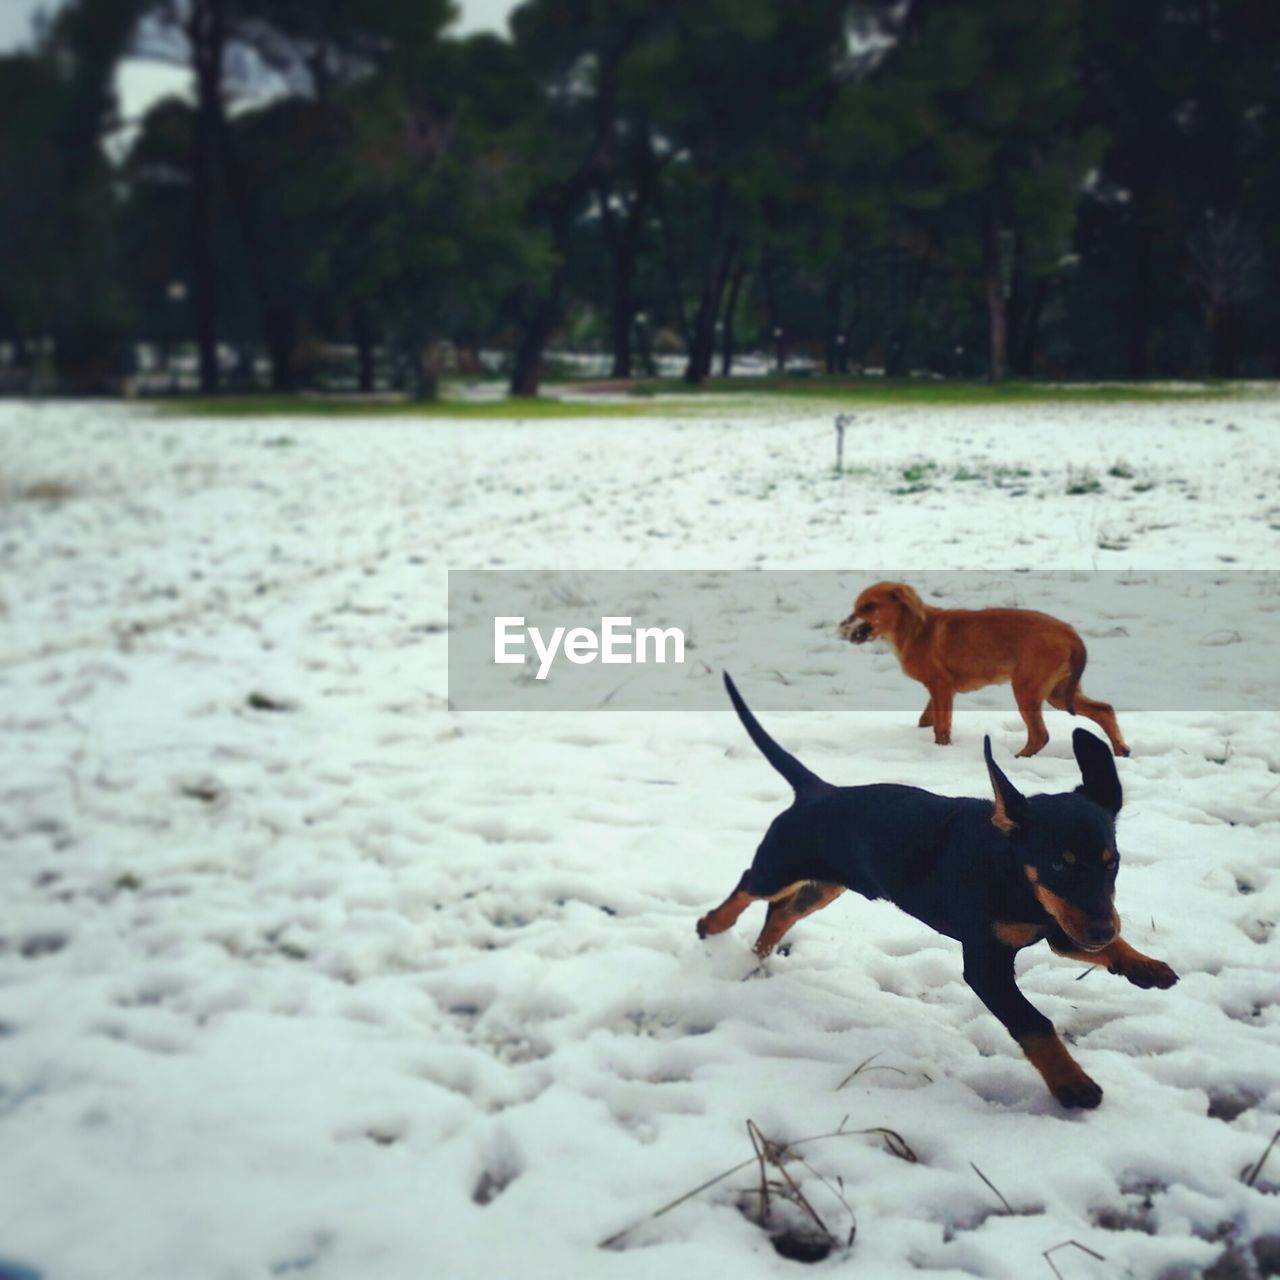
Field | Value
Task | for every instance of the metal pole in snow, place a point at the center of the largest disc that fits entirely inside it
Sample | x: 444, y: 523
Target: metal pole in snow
x: 843, y: 420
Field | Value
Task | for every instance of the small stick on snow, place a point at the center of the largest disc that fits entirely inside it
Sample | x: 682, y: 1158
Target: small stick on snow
x: 775, y: 1152
x: 758, y: 1142
x: 894, y: 1143
x: 1252, y: 1170
x: 1075, y: 1244
x: 1008, y: 1208
x: 865, y: 1065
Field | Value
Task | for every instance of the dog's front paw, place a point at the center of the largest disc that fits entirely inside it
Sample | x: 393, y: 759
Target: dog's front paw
x: 941, y: 739
x: 1080, y: 1092
x: 1150, y: 973
x: 702, y: 927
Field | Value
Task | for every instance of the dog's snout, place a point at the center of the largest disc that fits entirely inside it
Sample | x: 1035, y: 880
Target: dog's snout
x: 855, y: 629
x: 1099, y: 933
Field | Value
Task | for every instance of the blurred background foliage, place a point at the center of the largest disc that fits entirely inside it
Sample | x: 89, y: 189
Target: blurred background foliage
x: 350, y: 196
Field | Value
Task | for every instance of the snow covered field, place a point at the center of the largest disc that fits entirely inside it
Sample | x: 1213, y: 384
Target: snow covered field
x: 303, y: 974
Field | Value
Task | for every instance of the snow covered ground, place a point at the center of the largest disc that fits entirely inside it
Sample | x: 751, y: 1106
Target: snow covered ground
x: 303, y: 974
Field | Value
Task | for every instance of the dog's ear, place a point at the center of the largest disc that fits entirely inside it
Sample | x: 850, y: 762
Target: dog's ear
x: 1011, y: 805
x: 1099, y: 780
x: 908, y: 599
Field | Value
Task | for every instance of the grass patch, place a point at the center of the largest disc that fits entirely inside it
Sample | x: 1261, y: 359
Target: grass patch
x: 275, y: 406
x: 45, y: 491
x: 680, y: 397
x: 918, y: 471
x: 1082, y: 482
x: 932, y: 391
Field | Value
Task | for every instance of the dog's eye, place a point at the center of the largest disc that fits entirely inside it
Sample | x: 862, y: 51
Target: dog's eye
x: 869, y: 608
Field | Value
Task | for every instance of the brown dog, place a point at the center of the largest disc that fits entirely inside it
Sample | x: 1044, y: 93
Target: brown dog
x: 954, y: 651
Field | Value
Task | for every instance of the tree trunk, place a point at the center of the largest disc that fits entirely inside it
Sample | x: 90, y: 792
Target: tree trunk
x: 526, y: 373
x: 1024, y: 356
x: 206, y: 33
x: 675, y: 286
x: 698, y: 364
x: 281, y: 343
x: 835, y: 299
x: 771, y: 306
x: 622, y: 308
x: 702, y: 343
x: 997, y: 303
x: 731, y: 310
x: 1138, y: 361
x: 1222, y: 341
x: 998, y: 324
x: 276, y: 318
x: 426, y: 384
x: 363, y: 337
x: 896, y: 343
x: 624, y: 253
x: 997, y: 321
x: 702, y: 350
x: 644, y: 349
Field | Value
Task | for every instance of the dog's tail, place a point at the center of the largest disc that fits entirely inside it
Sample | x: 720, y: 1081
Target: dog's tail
x: 1075, y: 669
x: 803, y: 780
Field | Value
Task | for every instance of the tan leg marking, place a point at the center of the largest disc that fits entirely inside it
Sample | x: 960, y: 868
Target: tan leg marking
x: 1119, y: 957
x: 1062, y: 1073
x: 812, y: 896
x: 725, y: 916
x: 1016, y: 933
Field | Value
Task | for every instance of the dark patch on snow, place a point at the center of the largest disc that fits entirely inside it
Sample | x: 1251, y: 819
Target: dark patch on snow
x: 801, y: 1246
x: 492, y: 1183
x: 1228, y: 1103
x: 42, y: 944
x: 207, y: 790
x: 1128, y: 1218
x: 257, y: 701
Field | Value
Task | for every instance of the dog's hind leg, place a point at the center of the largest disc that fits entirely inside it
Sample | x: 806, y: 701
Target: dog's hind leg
x: 784, y: 912
x: 725, y: 916
x: 1101, y: 713
x: 1029, y: 696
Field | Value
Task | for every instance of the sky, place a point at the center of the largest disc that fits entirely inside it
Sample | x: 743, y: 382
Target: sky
x: 140, y: 83
x: 16, y: 15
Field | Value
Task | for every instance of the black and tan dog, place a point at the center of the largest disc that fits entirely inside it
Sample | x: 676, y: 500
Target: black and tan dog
x: 995, y: 878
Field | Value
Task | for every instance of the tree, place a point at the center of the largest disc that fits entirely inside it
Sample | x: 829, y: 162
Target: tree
x: 428, y: 198
x: 591, y: 164
x: 58, y: 209
x: 991, y: 164
x: 731, y: 84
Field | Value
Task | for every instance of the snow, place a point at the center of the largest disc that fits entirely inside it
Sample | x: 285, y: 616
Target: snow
x: 302, y: 973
